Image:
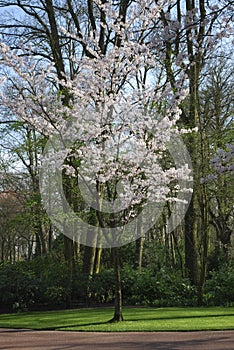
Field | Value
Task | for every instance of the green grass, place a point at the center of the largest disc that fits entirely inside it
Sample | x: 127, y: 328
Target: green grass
x: 136, y: 319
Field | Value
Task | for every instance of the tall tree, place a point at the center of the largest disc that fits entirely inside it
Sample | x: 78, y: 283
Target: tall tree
x: 191, y: 31
x: 23, y: 146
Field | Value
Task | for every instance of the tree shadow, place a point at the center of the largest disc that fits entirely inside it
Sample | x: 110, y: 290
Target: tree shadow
x: 178, y: 317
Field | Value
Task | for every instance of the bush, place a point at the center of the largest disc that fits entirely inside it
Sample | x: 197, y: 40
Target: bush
x: 41, y: 281
x: 18, y: 286
x: 219, y: 288
x: 102, y: 287
x: 166, y: 288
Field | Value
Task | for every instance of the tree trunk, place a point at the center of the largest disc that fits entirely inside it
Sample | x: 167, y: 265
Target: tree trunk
x: 190, y: 245
x: 97, y: 262
x: 50, y: 237
x: 118, y: 316
x: 88, y: 269
x: 204, y: 209
x: 68, y: 254
x: 76, y: 251
x: 180, y: 258
x: 89, y: 260
x: 204, y: 246
x: 138, y: 254
x: 173, y: 253
x: 191, y: 217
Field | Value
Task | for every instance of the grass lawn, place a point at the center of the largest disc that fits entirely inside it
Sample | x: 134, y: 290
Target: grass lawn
x: 136, y: 319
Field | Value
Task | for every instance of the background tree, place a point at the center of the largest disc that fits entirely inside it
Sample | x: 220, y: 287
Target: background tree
x: 192, y: 32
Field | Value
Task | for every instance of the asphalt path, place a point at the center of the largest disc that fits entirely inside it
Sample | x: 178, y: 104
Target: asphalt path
x: 21, y: 339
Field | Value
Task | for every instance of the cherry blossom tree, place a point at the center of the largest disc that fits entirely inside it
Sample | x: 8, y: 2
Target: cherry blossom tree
x: 108, y: 127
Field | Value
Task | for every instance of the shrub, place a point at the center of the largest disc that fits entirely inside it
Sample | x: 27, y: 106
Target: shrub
x: 18, y: 286
x: 219, y: 288
x: 102, y: 287
x: 166, y: 288
x: 33, y: 283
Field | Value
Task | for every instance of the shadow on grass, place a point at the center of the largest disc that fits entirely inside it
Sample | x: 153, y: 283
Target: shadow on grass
x: 179, y: 317
x: 8, y: 329
x: 107, y: 323
x: 80, y: 321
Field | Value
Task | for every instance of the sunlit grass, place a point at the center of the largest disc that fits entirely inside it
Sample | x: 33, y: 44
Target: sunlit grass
x: 135, y: 319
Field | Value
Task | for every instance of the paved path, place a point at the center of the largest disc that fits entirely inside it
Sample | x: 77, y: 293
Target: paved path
x: 54, y: 340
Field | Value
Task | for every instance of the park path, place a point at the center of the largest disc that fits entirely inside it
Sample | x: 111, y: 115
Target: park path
x: 56, y: 340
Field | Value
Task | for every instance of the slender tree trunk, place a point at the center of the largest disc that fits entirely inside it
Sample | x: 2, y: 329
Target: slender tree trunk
x: 97, y: 262
x: 2, y: 248
x: 190, y: 245
x: 191, y: 218
x: 173, y: 254
x: 76, y: 251
x: 68, y: 254
x: 88, y: 269
x: 204, y: 209
x: 88, y: 262
x: 38, y: 250
x: 30, y: 248
x: 202, y: 279
x: 138, y: 254
x: 139, y: 246
x: 89, y: 258
x: 118, y: 315
x: 180, y: 258
x: 50, y: 237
